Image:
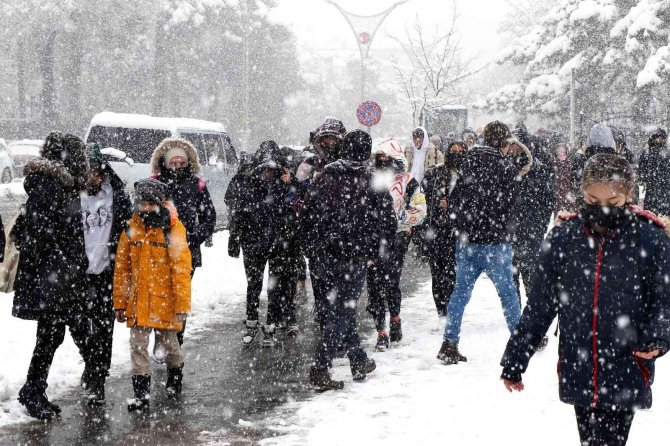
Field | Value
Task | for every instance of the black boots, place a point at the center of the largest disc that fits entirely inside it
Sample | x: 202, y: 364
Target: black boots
x: 382, y: 341
x: 396, y: 330
x: 33, y: 397
x: 174, y: 380
x: 359, y: 370
x: 322, y: 381
x: 96, y: 392
x: 449, y: 354
x: 142, y: 388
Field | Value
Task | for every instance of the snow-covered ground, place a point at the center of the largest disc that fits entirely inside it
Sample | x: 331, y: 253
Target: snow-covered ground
x: 219, y: 283
x: 413, y: 399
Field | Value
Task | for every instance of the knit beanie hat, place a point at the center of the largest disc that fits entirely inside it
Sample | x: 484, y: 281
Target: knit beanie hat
x: 330, y: 127
x: 496, y: 134
x: 173, y: 152
x: 150, y: 190
x: 357, y: 146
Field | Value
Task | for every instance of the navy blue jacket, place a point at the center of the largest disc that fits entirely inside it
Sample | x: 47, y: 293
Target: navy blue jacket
x: 612, y: 298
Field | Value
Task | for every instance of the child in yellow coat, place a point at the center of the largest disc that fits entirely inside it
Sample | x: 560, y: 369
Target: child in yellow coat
x: 152, y: 286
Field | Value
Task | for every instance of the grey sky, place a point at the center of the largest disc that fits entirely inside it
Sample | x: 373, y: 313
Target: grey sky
x: 319, y: 26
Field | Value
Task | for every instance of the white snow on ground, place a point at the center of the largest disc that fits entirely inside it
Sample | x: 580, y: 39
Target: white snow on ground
x: 217, y: 285
x: 413, y: 399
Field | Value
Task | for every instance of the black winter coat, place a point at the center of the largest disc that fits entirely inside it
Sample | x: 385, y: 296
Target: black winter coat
x: 251, y: 213
x: 488, y: 191
x: 344, y: 217
x: 51, y: 278
x: 534, y: 203
x: 654, y: 173
x: 612, y: 298
x: 440, y: 182
x: 195, y: 208
x: 122, y: 211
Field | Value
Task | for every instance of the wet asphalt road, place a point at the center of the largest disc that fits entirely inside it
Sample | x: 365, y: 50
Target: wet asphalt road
x: 224, y: 383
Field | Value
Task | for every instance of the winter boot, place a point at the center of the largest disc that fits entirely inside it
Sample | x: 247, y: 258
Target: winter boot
x: 269, y: 339
x: 292, y: 330
x: 252, y: 331
x: 360, y: 370
x: 396, y: 329
x: 382, y: 341
x: 142, y: 388
x: 34, y: 398
x: 322, y: 381
x: 96, y: 392
x: 174, y: 380
x: 449, y: 354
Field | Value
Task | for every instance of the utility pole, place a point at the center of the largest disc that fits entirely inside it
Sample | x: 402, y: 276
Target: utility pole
x: 247, y: 130
x: 572, y: 107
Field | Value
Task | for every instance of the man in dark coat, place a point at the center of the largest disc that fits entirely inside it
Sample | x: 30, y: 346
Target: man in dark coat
x: 533, y: 208
x: 654, y: 173
x: 346, y: 221
x: 441, y: 186
x: 51, y: 285
x: 175, y: 162
x: 327, y: 141
x: 484, y: 227
x: 106, y: 208
x: 250, y: 226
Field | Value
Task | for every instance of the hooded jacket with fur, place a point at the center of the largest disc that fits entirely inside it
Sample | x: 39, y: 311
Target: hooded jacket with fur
x: 189, y: 194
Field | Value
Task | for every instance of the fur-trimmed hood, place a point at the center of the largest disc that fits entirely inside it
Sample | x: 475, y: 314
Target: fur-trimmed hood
x: 157, y: 158
x: 50, y: 169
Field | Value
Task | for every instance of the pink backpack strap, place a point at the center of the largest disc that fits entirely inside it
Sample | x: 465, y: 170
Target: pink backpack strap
x: 154, y: 177
x: 202, y: 184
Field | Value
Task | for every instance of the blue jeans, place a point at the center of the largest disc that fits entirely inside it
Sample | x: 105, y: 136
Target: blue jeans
x: 471, y: 261
x: 344, y: 281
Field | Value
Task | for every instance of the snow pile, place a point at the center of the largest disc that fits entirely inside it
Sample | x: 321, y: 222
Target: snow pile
x: 413, y: 399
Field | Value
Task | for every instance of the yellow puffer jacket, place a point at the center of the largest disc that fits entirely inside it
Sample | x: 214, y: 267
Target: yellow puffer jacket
x: 152, y: 278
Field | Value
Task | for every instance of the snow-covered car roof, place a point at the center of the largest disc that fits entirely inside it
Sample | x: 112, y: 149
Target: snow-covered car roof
x: 133, y: 121
x: 25, y: 147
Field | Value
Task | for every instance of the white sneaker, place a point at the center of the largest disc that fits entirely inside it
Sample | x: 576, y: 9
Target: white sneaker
x: 252, y: 331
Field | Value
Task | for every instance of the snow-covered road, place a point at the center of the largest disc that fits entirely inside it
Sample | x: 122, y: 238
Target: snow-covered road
x: 414, y: 399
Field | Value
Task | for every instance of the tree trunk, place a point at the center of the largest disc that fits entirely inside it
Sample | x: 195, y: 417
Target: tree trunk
x: 48, y: 95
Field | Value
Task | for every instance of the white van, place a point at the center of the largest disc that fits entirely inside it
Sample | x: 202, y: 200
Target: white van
x: 138, y: 136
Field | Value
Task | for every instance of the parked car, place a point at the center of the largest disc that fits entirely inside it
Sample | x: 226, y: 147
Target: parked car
x: 6, y: 163
x: 23, y: 151
x: 138, y: 136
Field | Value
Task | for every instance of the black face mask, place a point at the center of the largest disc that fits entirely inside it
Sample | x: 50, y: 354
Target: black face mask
x: 605, y: 216
x: 384, y: 164
x: 454, y: 159
x: 329, y: 152
x: 155, y: 219
x: 180, y: 174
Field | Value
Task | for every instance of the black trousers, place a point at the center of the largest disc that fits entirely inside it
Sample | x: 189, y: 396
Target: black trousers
x: 442, y: 262
x: 283, y: 279
x: 50, y: 335
x: 321, y: 284
x: 601, y: 427
x: 526, y: 254
x: 384, y: 281
x: 180, y: 333
x: 100, y: 321
x: 254, y: 267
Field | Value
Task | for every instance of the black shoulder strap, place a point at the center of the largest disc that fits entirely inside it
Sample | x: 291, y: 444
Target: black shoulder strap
x: 412, y: 186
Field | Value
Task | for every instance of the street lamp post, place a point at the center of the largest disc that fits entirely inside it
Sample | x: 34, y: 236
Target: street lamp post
x: 365, y: 28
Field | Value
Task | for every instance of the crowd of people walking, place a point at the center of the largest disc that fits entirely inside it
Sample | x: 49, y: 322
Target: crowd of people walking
x: 345, y: 212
